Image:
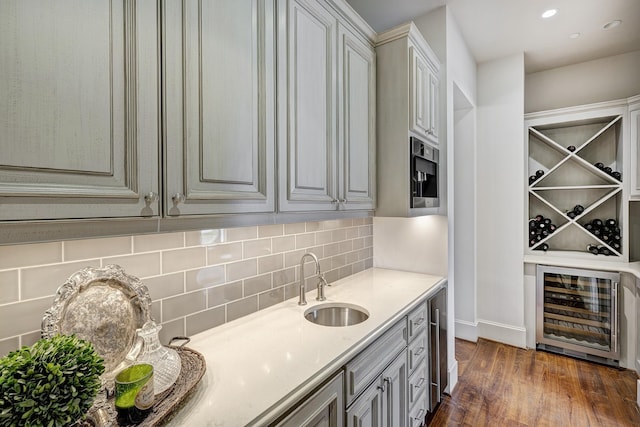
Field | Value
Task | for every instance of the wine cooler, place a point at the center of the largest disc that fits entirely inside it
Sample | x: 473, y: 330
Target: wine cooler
x: 577, y: 313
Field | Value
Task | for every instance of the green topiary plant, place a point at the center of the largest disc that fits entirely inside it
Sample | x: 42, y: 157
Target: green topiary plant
x: 52, y: 383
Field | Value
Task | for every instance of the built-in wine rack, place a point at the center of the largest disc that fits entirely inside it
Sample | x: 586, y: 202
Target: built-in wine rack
x: 575, y: 202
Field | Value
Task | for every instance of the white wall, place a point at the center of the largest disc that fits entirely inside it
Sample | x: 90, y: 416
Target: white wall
x: 500, y: 192
x: 605, y: 79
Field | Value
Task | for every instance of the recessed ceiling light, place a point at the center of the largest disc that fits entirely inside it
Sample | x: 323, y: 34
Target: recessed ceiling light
x: 611, y: 24
x: 549, y: 13
x: 574, y: 35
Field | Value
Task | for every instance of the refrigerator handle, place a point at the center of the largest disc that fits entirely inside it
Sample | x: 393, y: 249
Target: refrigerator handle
x: 437, y: 326
x: 614, y: 317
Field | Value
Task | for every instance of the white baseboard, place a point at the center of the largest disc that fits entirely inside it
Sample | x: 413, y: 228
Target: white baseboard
x: 466, y: 330
x: 453, y: 378
x: 507, y: 334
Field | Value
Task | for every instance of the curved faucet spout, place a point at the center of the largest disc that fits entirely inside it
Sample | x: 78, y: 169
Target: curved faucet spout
x: 321, y: 281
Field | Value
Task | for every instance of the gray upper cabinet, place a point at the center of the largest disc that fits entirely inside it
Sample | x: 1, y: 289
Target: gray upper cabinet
x: 357, y: 137
x: 219, y: 106
x: 307, y: 108
x: 79, y: 100
x: 326, y: 130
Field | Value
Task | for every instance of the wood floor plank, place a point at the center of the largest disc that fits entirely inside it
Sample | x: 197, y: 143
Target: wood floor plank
x: 500, y: 385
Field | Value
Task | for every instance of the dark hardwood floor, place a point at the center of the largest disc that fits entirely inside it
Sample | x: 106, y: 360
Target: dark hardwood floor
x: 500, y: 385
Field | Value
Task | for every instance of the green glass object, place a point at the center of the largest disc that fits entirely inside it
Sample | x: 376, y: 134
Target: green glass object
x: 134, y: 393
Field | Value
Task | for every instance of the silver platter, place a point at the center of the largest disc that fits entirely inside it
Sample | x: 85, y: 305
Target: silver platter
x: 104, y: 306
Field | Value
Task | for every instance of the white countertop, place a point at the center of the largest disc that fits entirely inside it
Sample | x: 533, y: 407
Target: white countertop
x: 261, y: 364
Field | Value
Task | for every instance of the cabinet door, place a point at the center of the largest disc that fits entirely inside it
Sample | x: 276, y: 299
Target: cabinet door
x: 307, y: 106
x: 324, y: 409
x: 395, y: 405
x: 357, y: 138
x: 434, y: 106
x: 419, y: 94
x: 634, y: 121
x: 366, y: 411
x: 219, y: 106
x: 79, y: 101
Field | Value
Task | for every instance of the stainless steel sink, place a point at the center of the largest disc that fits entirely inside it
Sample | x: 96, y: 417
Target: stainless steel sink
x: 336, y: 314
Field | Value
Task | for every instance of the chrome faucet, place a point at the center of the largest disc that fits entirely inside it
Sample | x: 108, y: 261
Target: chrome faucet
x: 321, y: 281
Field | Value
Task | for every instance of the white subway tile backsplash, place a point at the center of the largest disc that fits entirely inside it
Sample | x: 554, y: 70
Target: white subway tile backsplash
x: 9, y: 286
x: 196, y: 279
x: 37, y: 282
x: 14, y: 256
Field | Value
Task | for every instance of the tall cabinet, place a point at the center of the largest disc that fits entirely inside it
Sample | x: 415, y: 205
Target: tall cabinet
x: 326, y: 129
x: 408, y: 106
x: 80, y: 122
x: 219, y: 106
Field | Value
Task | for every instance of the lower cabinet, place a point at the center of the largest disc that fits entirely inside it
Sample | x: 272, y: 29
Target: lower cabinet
x: 397, y: 381
x: 323, y: 408
x: 384, y: 402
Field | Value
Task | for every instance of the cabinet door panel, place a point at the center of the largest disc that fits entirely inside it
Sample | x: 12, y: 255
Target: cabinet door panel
x: 419, y: 93
x: 357, y: 122
x: 219, y: 106
x: 396, y: 405
x: 367, y: 410
x: 307, y: 138
x: 79, y: 92
x: 323, y: 409
x: 634, y: 120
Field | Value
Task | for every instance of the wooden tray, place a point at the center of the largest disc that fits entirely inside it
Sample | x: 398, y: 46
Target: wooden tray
x: 103, y: 412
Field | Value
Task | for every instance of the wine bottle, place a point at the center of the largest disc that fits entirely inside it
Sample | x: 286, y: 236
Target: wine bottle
x: 552, y: 228
x: 599, y: 165
x: 611, y: 223
x: 597, y: 222
x: 617, y: 175
x: 539, y: 173
x: 588, y: 226
x: 539, y: 218
x: 607, y: 169
x: 571, y: 148
x: 571, y: 214
x: 603, y: 250
x: 615, y: 245
x: 593, y: 249
x: 578, y: 209
x: 532, y: 179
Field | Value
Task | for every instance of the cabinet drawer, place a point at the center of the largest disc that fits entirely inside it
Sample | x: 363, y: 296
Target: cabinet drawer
x: 418, y: 385
x: 418, y: 413
x: 417, y: 351
x: 366, y: 366
x: 417, y: 321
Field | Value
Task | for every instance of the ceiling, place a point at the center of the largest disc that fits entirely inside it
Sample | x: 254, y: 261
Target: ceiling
x: 497, y: 28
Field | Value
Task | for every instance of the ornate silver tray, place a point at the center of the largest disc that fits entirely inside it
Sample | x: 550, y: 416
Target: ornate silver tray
x: 104, y: 306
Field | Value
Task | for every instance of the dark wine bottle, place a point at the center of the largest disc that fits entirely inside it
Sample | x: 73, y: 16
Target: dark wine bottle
x: 578, y: 209
x: 539, y: 173
x: 599, y: 165
x: 571, y: 214
x: 588, y: 226
x: 533, y: 224
x: 611, y: 223
x: 552, y: 228
x: 547, y: 221
x: 539, y: 218
x: 571, y: 148
x: 607, y: 169
x: 617, y: 175
x: 593, y: 249
x: 597, y: 223
x: 615, y: 245
x: 603, y: 250
x: 532, y: 179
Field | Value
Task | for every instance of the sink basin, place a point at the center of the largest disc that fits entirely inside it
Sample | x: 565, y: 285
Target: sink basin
x: 336, y: 314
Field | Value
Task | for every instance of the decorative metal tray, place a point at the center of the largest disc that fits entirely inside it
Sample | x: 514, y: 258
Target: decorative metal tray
x: 103, y: 412
x: 104, y: 306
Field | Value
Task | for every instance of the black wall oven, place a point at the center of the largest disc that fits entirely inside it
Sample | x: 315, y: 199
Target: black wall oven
x: 424, y: 174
